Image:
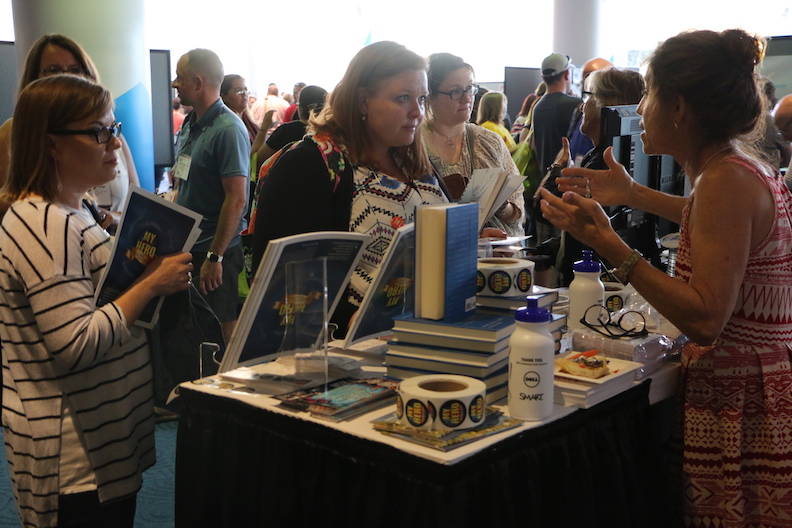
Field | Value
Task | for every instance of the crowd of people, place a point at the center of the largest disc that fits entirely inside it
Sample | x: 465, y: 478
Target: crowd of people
x: 399, y: 130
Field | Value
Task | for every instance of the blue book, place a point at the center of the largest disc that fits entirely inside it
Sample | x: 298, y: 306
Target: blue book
x: 445, y: 260
x: 474, y: 325
x: 468, y: 357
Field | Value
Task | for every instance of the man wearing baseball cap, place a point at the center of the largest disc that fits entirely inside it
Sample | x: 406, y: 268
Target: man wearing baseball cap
x: 551, y: 118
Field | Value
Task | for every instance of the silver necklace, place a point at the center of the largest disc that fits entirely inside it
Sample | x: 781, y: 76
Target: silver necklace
x: 701, y: 171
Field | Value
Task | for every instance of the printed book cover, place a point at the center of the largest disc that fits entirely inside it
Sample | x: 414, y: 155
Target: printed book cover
x: 545, y: 297
x: 474, y: 325
x: 286, y: 310
x: 493, y: 381
x: 150, y: 226
x: 446, y: 241
x: 468, y: 357
x: 444, y: 367
x: 455, y: 342
x: 391, y: 293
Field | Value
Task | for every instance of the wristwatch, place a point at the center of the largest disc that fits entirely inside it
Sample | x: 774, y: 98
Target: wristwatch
x: 214, y: 257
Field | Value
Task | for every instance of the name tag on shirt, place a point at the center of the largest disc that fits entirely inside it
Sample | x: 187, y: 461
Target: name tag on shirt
x: 182, y: 169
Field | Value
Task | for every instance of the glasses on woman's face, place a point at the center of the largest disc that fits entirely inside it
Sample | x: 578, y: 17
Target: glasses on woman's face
x: 102, y: 135
x: 57, y: 70
x: 626, y: 324
x: 455, y: 95
x: 587, y: 95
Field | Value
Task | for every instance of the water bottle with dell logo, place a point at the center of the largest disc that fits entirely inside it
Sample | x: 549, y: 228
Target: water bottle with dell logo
x: 531, y: 364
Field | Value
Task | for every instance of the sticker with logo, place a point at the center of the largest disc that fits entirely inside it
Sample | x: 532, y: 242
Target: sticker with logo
x: 477, y: 409
x: 399, y: 406
x: 418, y: 413
x: 480, y: 282
x: 524, y: 280
x: 614, y: 303
x: 499, y: 282
x: 453, y: 413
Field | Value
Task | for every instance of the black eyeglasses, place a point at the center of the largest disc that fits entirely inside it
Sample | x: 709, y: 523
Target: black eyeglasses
x: 587, y: 95
x: 456, y: 95
x: 102, y: 135
x: 626, y: 324
x: 239, y: 91
x: 56, y: 70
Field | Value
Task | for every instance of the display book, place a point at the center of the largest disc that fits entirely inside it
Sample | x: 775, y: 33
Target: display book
x: 476, y: 345
x: 446, y: 242
x: 299, y: 282
x: 149, y: 227
x: 391, y: 293
x: 578, y: 391
x: 446, y: 439
x: 341, y: 399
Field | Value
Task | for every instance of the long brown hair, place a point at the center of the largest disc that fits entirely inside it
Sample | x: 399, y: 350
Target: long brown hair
x: 342, y: 120
x: 44, y: 106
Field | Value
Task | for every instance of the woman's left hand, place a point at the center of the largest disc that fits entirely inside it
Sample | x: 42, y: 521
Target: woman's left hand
x: 583, y: 218
x: 493, y: 232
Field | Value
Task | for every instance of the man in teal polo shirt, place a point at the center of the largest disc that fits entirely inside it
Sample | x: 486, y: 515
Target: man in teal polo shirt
x: 212, y: 169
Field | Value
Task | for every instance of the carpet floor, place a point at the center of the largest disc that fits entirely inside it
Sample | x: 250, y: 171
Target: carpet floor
x: 154, y: 502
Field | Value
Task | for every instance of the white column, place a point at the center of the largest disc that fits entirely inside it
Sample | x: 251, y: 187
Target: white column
x: 112, y: 33
x: 576, y: 29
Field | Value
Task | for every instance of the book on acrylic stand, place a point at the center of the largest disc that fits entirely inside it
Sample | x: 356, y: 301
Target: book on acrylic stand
x: 297, y: 286
x: 391, y: 292
x: 150, y: 226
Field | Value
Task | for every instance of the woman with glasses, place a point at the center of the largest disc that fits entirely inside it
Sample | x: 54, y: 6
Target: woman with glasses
x: 456, y: 147
x: 608, y: 87
x: 705, y: 106
x: 54, y: 55
x: 361, y: 168
x: 236, y: 96
x: 78, y: 413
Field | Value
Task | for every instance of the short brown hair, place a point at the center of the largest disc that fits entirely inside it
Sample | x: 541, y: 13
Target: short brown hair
x: 46, y: 105
x: 33, y: 61
x: 342, y: 120
x: 613, y: 86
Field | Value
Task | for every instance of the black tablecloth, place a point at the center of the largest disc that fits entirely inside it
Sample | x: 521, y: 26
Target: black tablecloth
x: 238, y: 465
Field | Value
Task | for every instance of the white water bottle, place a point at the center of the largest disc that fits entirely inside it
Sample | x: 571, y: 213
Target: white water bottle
x: 531, y: 364
x: 585, y: 290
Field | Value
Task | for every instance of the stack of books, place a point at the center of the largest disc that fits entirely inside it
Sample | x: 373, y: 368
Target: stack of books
x: 477, y: 345
x: 579, y: 391
x: 546, y: 298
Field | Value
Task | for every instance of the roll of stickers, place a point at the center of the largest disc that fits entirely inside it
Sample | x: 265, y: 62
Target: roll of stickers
x: 616, y: 295
x: 504, y: 277
x: 440, y: 401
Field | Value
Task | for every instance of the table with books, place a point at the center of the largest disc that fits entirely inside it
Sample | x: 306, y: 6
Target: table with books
x: 242, y: 458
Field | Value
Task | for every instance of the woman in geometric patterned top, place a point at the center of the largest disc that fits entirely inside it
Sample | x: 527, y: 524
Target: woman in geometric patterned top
x: 732, y: 293
x: 77, y: 388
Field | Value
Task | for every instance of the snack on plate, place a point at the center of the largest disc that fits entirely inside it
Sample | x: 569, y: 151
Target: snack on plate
x: 585, y: 364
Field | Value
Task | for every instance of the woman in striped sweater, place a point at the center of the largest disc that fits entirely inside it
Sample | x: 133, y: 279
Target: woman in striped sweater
x: 77, y: 388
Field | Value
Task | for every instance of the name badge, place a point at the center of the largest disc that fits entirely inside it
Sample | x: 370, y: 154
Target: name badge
x: 182, y: 169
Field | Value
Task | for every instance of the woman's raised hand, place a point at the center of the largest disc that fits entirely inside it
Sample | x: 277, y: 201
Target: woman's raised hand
x: 613, y: 186
x: 582, y: 218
